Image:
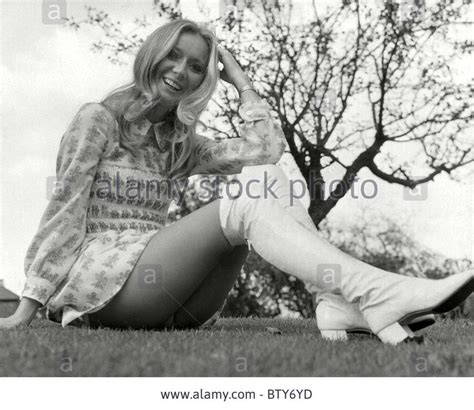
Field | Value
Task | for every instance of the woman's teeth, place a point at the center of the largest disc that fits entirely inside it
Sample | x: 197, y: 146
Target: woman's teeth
x: 174, y: 85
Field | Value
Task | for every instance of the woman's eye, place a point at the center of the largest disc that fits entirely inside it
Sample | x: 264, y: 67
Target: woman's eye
x: 197, y: 68
x: 173, y: 55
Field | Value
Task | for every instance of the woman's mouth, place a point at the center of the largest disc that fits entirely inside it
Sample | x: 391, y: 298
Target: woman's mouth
x: 173, y: 85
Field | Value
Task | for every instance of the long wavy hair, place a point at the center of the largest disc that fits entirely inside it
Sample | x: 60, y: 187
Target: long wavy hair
x: 181, y: 122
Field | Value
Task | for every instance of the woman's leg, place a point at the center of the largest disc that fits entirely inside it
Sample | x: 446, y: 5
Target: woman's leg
x: 255, y: 177
x: 333, y: 312
x: 206, y: 301
x: 187, y: 268
x: 384, y: 297
x: 197, y: 304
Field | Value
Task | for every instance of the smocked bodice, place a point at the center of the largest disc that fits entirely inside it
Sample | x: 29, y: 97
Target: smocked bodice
x: 131, y: 192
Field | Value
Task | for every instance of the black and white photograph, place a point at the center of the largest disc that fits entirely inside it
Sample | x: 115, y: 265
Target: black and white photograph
x: 223, y: 189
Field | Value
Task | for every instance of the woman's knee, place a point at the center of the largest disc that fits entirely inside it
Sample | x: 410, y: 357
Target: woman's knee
x: 260, y: 181
x: 264, y: 171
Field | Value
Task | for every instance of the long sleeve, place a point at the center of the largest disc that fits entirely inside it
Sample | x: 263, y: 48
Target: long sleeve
x: 62, y: 229
x: 261, y: 142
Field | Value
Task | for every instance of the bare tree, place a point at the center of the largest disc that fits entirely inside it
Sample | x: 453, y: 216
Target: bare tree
x: 362, y: 87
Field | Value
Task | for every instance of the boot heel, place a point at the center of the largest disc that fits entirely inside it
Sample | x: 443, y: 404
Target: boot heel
x: 334, y: 335
x: 395, y: 334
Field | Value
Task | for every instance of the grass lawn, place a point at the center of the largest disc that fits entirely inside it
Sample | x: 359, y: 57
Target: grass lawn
x: 231, y: 347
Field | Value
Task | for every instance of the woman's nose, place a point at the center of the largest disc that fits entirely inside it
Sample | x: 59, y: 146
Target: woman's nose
x: 179, y: 68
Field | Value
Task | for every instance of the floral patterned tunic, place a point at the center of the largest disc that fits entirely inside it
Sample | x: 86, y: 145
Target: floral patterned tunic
x: 98, y: 221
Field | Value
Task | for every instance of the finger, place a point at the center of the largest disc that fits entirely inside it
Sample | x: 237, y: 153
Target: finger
x: 223, y: 52
x: 223, y: 56
x: 220, y: 58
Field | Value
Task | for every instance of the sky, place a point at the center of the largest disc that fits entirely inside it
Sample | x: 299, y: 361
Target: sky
x: 48, y: 71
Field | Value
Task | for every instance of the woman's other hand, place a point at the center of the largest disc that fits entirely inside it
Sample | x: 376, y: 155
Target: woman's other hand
x: 23, y: 316
x: 12, y: 322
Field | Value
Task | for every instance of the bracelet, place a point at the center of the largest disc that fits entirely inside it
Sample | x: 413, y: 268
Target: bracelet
x: 246, y: 88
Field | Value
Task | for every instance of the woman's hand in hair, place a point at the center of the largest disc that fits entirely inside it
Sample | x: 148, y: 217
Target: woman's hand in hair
x: 232, y: 73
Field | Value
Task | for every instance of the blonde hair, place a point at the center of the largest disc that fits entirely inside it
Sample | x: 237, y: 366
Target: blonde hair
x: 180, y: 122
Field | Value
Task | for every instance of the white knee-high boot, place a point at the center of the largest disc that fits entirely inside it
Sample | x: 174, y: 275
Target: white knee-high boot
x: 384, y: 298
x: 335, y: 316
x: 279, y: 186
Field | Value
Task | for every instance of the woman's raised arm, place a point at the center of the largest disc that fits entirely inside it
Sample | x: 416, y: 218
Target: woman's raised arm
x: 261, y: 142
x: 261, y: 139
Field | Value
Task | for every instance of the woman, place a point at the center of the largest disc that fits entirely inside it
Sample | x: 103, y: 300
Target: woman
x: 103, y: 256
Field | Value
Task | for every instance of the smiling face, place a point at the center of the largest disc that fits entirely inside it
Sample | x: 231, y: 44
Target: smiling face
x: 183, y: 69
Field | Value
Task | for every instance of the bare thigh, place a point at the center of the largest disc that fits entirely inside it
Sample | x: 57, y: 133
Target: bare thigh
x: 186, y: 270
